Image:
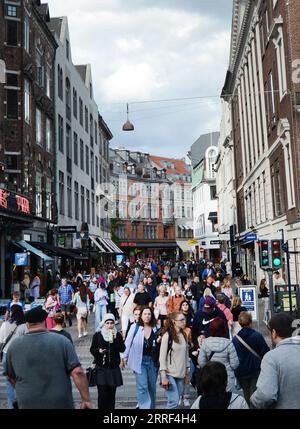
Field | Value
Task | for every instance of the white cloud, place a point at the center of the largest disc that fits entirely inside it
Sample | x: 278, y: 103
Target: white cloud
x: 151, y: 50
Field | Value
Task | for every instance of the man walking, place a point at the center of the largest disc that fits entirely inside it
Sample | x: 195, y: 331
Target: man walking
x: 65, y: 297
x: 278, y: 383
x: 39, y: 365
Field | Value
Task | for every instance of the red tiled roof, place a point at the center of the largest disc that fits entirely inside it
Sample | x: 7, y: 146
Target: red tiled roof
x: 179, y: 165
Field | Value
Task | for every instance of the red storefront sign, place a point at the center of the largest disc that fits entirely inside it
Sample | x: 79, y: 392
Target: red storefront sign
x: 13, y: 202
x: 127, y: 244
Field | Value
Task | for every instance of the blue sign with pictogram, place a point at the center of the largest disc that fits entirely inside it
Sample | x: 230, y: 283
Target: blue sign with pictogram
x: 21, y: 259
x: 249, y: 299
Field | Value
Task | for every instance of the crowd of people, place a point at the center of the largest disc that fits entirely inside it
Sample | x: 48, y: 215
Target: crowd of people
x: 182, y: 322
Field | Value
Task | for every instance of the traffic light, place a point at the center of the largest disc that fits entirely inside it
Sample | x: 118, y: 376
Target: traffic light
x: 276, y: 254
x: 264, y: 254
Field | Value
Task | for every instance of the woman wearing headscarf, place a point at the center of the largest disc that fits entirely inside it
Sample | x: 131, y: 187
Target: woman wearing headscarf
x: 107, y: 344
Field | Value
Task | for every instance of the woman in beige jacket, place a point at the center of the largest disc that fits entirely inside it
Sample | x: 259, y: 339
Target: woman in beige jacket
x: 174, y: 358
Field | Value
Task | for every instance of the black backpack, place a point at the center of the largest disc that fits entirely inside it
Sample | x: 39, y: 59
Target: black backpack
x: 156, y: 347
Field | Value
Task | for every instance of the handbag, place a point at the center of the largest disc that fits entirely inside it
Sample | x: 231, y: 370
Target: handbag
x: 91, y: 376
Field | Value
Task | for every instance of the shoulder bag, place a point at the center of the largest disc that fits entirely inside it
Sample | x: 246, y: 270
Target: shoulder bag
x: 248, y: 347
x: 2, y: 345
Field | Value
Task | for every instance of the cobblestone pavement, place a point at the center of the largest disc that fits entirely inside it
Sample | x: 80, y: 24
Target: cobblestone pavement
x: 126, y: 394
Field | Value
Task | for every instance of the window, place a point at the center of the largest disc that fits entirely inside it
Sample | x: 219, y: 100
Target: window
x: 67, y: 49
x: 91, y: 131
x: 69, y: 149
x: 48, y: 136
x: 48, y: 198
x: 97, y: 212
x: 91, y: 90
x: 92, y: 171
x: 289, y: 175
x: 86, y: 119
x: 213, y: 192
x: 82, y: 205
x: 121, y: 231
x: 38, y: 195
x: 61, y: 185
x: 271, y: 101
x: 60, y: 82
x: 80, y: 112
x: 76, y: 200
x: 281, y: 65
x: 60, y: 134
x: 87, y: 160
x: 12, y: 32
x: 39, y: 68
x: 27, y: 101
x: 166, y: 232
x: 48, y: 81
x: 88, y: 207
x: 26, y: 34
x: 12, y: 104
x: 68, y: 99
x: 75, y: 138
x: 277, y: 189
x: 211, y: 159
x: 11, y: 10
x: 93, y: 208
x: 96, y: 132
x: 69, y: 195
x: 135, y: 229
x: 38, y: 124
x: 81, y: 156
x: 96, y: 169
x: 75, y: 103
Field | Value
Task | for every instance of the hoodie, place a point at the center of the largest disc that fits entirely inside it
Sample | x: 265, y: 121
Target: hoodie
x: 224, y: 352
x: 202, y: 322
x: 278, y: 384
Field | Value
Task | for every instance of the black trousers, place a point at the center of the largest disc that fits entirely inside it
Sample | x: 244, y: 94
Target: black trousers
x: 106, y: 397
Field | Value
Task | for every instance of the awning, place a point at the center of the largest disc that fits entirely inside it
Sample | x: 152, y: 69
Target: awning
x: 181, y: 226
x: 35, y: 251
x: 55, y: 250
x: 105, y: 245
x: 97, y: 244
x: 156, y: 245
x: 110, y: 245
x: 213, y: 216
x: 184, y: 246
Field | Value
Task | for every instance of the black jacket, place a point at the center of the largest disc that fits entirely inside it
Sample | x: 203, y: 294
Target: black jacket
x: 111, y: 358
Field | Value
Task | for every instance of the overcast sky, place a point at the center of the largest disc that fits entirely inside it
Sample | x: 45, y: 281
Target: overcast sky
x: 144, y: 50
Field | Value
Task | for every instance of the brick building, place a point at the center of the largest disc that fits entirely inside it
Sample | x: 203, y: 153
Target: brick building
x: 143, y: 224
x: 27, y: 126
x: 261, y: 90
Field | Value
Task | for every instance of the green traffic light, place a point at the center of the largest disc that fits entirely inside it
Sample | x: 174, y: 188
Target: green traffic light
x: 276, y: 262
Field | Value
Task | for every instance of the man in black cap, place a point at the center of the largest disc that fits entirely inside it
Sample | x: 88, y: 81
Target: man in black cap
x: 39, y: 366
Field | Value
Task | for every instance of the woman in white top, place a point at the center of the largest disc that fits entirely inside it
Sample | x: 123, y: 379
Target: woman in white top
x: 82, y: 302
x: 126, y: 309
x: 161, y: 305
x: 11, y: 329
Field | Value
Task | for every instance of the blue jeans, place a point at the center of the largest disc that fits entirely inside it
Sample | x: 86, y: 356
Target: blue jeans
x: 174, y: 392
x: 10, y: 391
x: 99, y: 314
x: 146, y: 384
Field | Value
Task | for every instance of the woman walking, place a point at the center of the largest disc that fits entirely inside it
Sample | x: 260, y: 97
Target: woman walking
x: 82, y: 303
x: 174, y: 358
x: 138, y: 356
x: 100, y: 302
x: 51, y: 305
x: 126, y: 309
x: 236, y: 309
x: 161, y: 305
x: 14, y: 327
x: 107, y: 344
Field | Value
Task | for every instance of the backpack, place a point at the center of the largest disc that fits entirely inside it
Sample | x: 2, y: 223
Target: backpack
x: 156, y: 348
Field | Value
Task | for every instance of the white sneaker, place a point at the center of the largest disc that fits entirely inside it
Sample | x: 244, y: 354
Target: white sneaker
x: 85, y: 334
x: 186, y: 402
x: 80, y: 335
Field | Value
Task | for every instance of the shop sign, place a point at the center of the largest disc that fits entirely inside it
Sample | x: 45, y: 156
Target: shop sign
x: 67, y: 229
x: 127, y: 244
x: 13, y: 202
